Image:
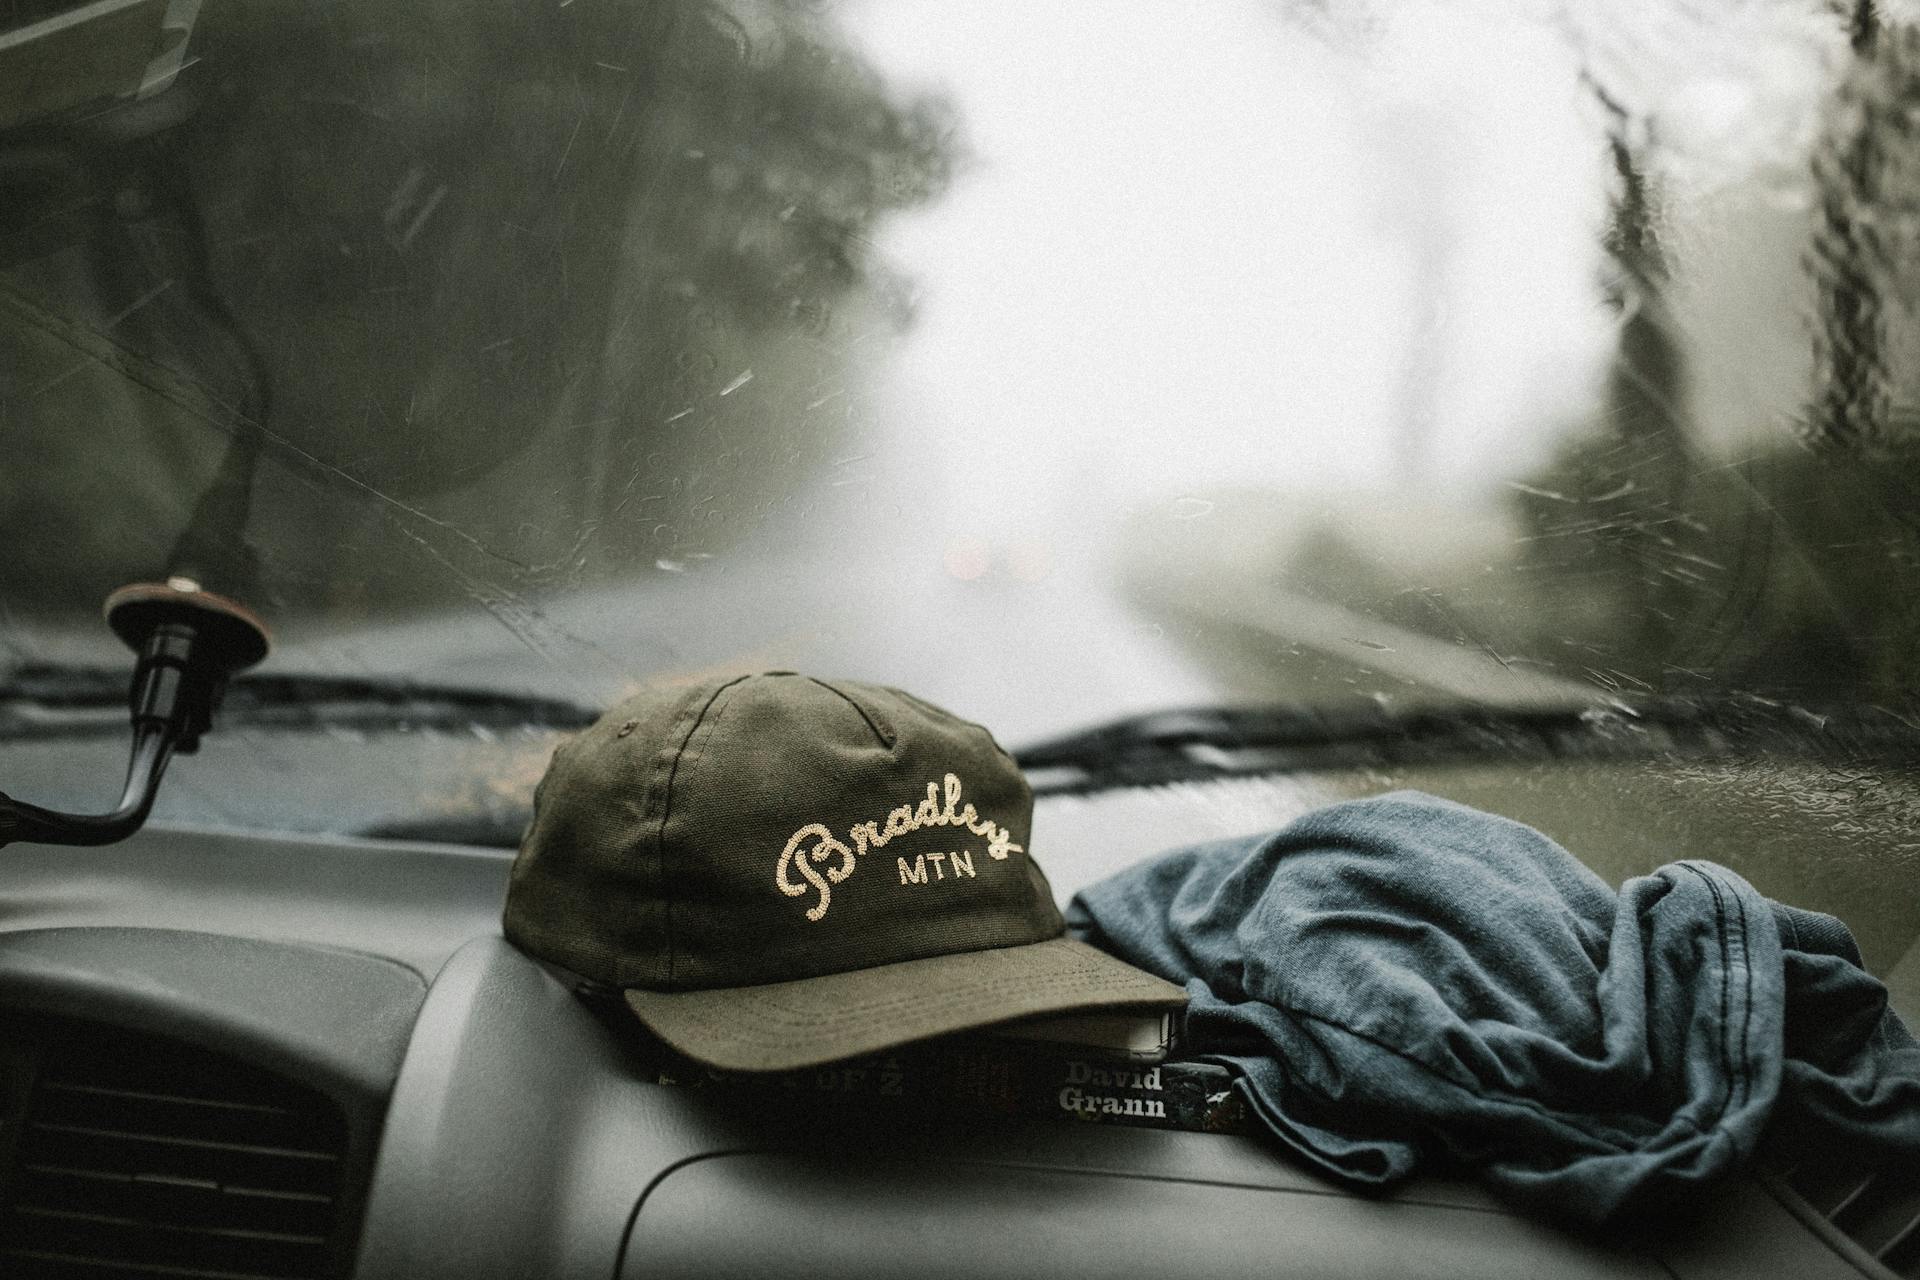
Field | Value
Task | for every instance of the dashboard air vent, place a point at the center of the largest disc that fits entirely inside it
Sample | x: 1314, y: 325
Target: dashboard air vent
x: 1877, y: 1210
x: 141, y: 1157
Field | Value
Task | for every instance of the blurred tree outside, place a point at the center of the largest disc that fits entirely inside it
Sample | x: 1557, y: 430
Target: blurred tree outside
x: 1784, y: 569
x: 532, y: 294
x: 1646, y: 555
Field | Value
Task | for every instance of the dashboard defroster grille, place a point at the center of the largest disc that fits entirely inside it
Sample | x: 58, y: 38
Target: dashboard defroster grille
x: 1877, y: 1210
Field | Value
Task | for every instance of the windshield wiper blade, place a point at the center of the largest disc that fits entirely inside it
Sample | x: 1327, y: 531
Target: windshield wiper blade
x: 63, y: 702
x: 1192, y: 744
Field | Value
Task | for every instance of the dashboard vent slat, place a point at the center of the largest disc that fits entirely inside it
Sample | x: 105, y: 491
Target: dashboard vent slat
x: 1877, y: 1209
x: 69, y: 1266
x: 196, y: 1202
x: 1830, y: 1190
x: 139, y: 1157
x: 126, y: 1240
x: 1879, y: 1216
x: 184, y: 1228
x: 112, y: 1151
x: 149, y: 1097
x: 1903, y: 1255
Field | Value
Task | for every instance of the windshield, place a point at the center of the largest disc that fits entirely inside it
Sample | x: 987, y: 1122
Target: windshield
x: 1055, y: 362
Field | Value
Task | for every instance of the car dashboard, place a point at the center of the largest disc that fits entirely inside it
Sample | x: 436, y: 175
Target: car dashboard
x: 246, y: 1054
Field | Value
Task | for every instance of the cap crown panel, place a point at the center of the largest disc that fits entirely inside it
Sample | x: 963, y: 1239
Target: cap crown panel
x: 800, y: 841
x: 769, y: 828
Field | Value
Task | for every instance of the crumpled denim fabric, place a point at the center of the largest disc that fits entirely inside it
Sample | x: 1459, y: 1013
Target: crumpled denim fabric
x: 1403, y: 982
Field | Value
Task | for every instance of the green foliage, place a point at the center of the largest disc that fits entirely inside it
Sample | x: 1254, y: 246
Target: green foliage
x: 1778, y: 574
x: 498, y: 261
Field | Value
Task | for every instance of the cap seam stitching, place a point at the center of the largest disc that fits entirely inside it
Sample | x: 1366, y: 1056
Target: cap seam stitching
x: 666, y: 812
x: 943, y: 713
x: 881, y: 728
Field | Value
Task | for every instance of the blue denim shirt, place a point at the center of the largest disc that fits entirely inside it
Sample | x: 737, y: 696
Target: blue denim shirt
x: 1403, y: 979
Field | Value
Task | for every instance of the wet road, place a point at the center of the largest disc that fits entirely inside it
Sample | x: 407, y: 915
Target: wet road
x: 1028, y: 646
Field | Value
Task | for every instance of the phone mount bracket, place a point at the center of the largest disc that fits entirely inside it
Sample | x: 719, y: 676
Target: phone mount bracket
x: 187, y: 642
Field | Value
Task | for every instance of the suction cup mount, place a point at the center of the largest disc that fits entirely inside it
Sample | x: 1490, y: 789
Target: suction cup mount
x: 188, y: 642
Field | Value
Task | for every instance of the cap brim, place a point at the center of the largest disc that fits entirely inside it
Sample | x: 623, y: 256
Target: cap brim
x: 782, y: 1026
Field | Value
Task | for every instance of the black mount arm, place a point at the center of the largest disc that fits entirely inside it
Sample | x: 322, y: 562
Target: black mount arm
x: 126, y: 164
x: 189, y: 642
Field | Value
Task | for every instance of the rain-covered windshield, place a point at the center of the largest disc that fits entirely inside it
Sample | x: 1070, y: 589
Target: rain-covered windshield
x: 1055, y: 361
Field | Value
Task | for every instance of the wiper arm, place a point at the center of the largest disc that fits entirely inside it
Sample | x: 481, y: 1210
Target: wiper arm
x: 1213, y: 742
x: 51, y: 701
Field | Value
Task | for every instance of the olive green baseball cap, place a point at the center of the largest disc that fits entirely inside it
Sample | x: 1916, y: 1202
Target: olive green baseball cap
x: 782, y: 871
